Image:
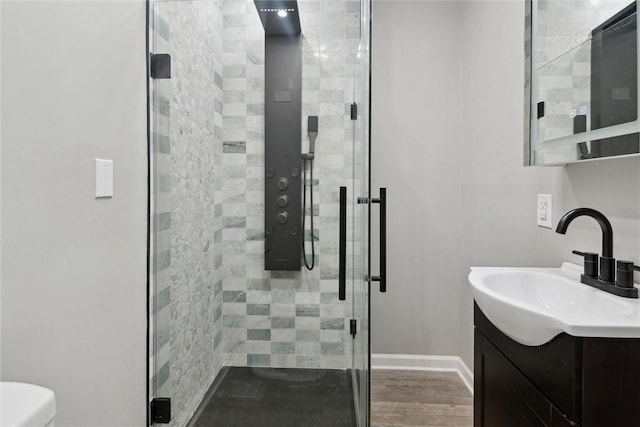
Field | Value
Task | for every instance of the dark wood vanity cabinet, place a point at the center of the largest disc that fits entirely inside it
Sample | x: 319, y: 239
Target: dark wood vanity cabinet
x: 569, y: 381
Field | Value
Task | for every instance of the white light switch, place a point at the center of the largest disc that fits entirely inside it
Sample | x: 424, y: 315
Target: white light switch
x: 544, y: 210
x: 104, y: 178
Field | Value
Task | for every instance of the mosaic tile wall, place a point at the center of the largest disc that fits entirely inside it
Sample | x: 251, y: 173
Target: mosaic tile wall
x: 564, y: 68
x: 188, y: 212
x: 286, y: 319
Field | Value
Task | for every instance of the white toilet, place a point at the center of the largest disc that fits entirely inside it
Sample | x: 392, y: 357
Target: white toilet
x: 26, y: 405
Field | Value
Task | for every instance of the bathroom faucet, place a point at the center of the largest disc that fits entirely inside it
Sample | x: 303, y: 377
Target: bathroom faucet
x: 606, y: 280
x: 606, y: 261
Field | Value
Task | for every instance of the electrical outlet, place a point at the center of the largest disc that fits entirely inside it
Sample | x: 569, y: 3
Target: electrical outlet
x: 544, y: 211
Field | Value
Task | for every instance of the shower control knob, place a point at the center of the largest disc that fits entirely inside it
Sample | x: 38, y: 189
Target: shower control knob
x: 282, y: 217
x: 283, y: 183
x: 295, y: 172
x: 269, y: 172
x: 283, y: 201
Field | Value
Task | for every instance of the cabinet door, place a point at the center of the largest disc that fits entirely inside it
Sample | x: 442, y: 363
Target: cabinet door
x: 504, y: 397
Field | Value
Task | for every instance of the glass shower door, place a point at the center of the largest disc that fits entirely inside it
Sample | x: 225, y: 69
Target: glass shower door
x: 160, y: 310
x: 213, y: 307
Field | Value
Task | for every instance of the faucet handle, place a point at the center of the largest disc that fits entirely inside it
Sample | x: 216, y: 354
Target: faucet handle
x: 624, y: 276
x: 590, y: 263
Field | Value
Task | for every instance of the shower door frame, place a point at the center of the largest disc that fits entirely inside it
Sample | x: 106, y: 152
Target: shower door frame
x: 362, y: 202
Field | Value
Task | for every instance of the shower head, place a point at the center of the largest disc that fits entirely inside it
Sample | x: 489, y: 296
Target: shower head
x: 312, y: 125
x: 312, y: 131
x: 279, y: 17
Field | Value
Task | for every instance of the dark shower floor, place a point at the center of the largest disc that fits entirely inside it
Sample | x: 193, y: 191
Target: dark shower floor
x: 272, y: 397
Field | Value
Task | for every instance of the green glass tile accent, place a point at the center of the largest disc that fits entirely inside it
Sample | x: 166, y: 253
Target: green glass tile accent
x: 162, y: 260
x: 161, y: 144
x: 234, y: 147
x: 217, y: 80
x: 332, y: 348
x: 258, y: 334
x: 307, y: 310
x: 162, y: 28
x: 162, y: 375
x: 234, y: 321
x: 234, y: 296
x: 332, y: 324
x: 258, y: 359
x: 255, y: 235
x: 234, y: 222
x: 162, y: 106
x: 162, y: 221
x: 162, y: 299
x: 259, y: 309
x: 238, y: 198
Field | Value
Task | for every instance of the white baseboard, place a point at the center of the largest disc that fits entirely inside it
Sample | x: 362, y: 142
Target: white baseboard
x: 424, y: 363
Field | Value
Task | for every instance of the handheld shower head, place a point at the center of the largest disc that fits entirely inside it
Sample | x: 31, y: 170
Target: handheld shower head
x: 312, y: 130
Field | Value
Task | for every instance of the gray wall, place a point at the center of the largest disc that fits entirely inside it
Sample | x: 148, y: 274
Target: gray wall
x: 73, y: 278
x: 481, y: 209
x: 415, y: 149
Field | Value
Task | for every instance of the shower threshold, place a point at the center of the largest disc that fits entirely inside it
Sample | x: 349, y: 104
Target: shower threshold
x: 277, y: 397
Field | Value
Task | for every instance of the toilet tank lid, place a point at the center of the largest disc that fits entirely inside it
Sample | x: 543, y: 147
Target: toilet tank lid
x: 26, y: 405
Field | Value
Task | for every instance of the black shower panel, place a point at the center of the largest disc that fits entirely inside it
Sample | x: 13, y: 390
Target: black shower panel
x: 283, y: 134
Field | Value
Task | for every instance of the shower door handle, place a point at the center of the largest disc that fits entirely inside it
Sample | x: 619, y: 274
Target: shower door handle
x: 342, y: 266
x: 382, y: 278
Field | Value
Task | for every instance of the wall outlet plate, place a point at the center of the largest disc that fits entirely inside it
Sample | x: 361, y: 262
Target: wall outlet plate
x: 544, y: 210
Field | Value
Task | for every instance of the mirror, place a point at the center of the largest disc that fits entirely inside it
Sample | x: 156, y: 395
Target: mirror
x: 581, y: 80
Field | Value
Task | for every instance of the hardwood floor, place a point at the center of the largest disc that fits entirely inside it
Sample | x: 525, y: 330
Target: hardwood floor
x: 419, y: 399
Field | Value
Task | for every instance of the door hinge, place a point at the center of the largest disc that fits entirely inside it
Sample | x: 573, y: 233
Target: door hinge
x: 353, y: 327
x: 161, y: 410
x: 160, y: 66
x: 354, y: 111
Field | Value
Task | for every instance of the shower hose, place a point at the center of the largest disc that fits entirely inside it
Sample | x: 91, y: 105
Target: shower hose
x: 304, y: 214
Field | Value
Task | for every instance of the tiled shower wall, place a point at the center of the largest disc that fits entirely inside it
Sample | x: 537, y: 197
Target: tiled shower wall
x: 188, y: 205
x: 272, y: 318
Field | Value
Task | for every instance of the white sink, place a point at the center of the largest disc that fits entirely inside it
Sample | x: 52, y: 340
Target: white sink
x: 533, y: 305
